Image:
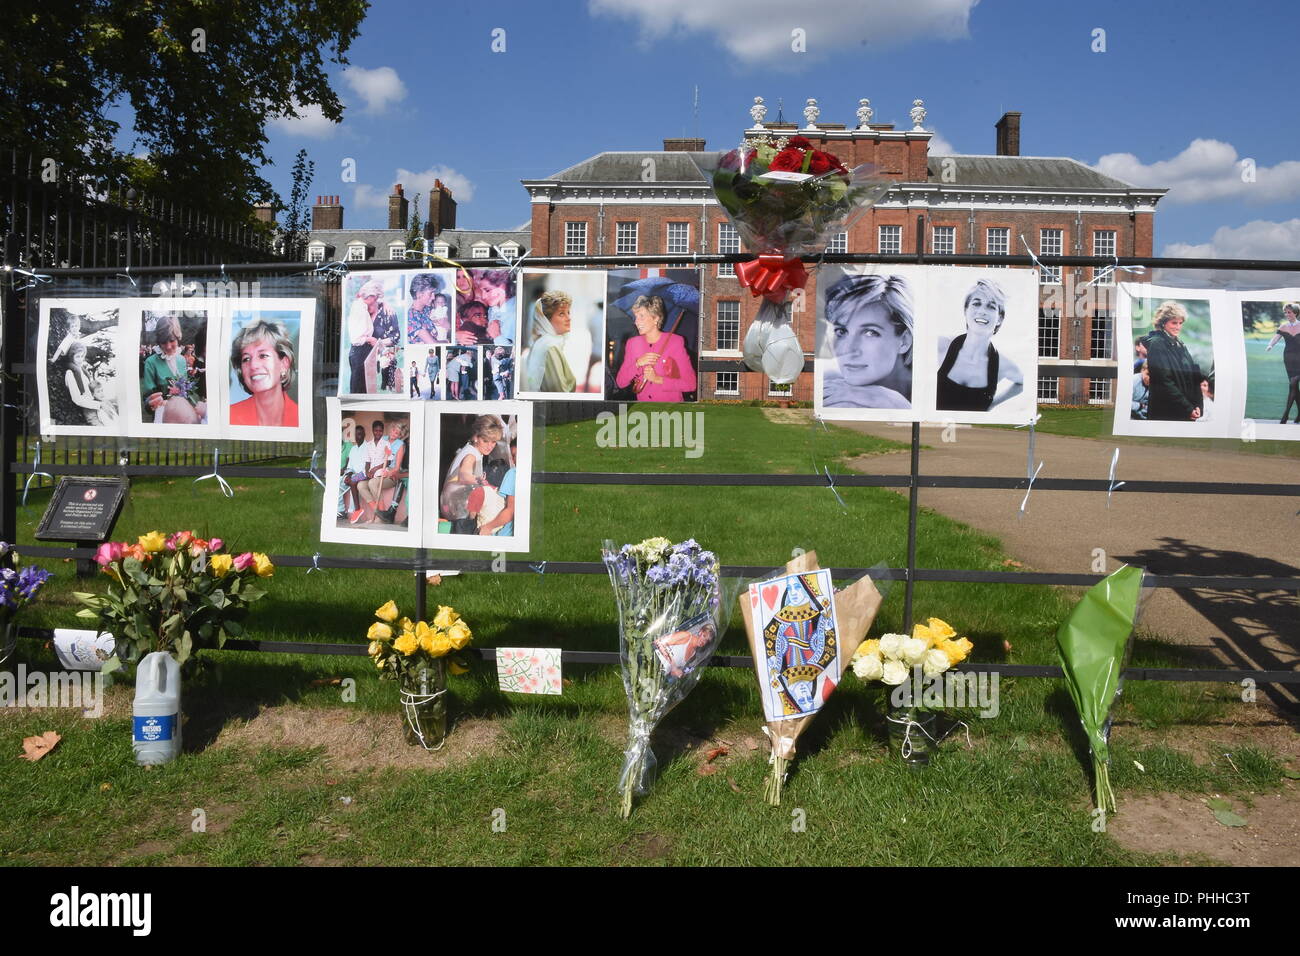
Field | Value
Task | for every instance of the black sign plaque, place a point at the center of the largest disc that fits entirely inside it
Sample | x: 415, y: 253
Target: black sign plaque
x: 82, y: 509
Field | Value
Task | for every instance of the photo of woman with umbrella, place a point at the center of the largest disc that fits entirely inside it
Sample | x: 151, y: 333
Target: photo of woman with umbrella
x: 653, y: 335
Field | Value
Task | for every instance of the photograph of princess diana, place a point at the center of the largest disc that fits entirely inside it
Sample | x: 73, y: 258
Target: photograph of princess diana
x: 653, y: 335
x: 562, y: 335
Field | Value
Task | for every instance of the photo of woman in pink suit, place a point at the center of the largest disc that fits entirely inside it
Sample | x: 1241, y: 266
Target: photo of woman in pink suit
x: 655, y: 363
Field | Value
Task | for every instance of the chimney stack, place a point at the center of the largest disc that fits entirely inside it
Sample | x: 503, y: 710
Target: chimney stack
x: 1009, y: 134
x: 442, y: 211
x: 326, y: 214
x: 397, y: 208
x: 264, y: 212
x: 683, y: 145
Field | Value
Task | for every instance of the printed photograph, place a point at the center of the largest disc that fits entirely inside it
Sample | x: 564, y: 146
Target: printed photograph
x: 866, y: 343
x: 173, y: 368
x: 375, y: 457
x: 372, y: 336
x: 423, y: 372
x: 652, y: 335
x: 563, y: 335
x: 269, y: 368
x: 79, y: 389
x: 487, y: 309
x: 498, y: 372
x: 1172, y: 355
x: 986, y: 328
x: 429, y: 304
x: 461, y: 374
x: 485, y: 470
x: 1271, y: 340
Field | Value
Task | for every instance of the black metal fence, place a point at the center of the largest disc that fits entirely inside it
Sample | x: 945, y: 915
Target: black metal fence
x: 53, y: 216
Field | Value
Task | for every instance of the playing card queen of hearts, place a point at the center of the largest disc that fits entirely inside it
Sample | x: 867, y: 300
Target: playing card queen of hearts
x: 799, y: 663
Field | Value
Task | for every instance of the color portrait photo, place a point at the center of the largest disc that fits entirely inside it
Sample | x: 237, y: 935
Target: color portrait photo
x: 1270, y: 327
x: 374, y: 473
x: 653, y: 335
x: 487, y: 307
x: 268, y: 364
x: 1176, y: 370
x: 485, y: 468
x: 175, y: 382
x: 562, y: 335
x: 372, y: 347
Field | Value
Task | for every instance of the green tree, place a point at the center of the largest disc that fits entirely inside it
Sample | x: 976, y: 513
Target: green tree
x: 297, y: 219
x: 200, y: 78
x: 413, y: 231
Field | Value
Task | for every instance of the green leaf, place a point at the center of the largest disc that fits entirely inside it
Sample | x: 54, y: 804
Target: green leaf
x: 1218, y: 803
x: 233, y: 628
x: 112, y: 664
x: 1229, y: 819
x: 87, y: 613
x: 1291, y: 774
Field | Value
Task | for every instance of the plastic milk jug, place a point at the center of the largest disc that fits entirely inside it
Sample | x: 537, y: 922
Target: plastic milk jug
x: 157, y: 713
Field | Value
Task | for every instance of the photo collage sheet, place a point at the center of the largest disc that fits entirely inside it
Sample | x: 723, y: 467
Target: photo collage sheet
x: 926, y: 344
x: 1208, y: 363
x: 208, y: 368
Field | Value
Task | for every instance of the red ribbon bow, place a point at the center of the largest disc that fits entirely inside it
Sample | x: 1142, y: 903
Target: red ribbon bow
x: 772, y: 276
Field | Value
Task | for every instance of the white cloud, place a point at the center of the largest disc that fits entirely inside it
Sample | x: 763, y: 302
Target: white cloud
x: 379, y: 87
x: 758, y: 30
x: 1260, y: 239
x: 939, y: 145
x: 413, y: 183
x: 310, y: 122
x: 1208, y: 170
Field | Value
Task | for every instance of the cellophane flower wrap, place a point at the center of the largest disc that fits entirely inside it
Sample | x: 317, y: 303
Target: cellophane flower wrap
x: 786, y: 198
x: 669, y: 601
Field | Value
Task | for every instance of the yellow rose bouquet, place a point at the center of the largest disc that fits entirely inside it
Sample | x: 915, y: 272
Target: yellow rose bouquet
x: 913, y: 666
x: 417, y: 655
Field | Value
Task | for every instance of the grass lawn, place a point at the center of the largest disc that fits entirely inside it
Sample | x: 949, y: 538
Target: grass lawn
x: 1096, y: 421
x: 287, y: 772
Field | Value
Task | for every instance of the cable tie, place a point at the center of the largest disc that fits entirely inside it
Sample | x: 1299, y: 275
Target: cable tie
x: 539, y: 568
x: 311, y: 470
x: 315, y: 563
x: 36, y: 463
x: 831, y: 481
x: 221, y: 482
x: 1114, y: 461
x: 1032, y: 479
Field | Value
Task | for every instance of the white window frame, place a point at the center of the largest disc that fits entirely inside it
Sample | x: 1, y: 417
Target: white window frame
x: 1000, y: 248
x: 1104, y: 243
x: 730, y: 303
x: 780, y: 391
x: 575, y: 238
x: 1049, y: 319
x: 683, y: 245
x: 1052, y: 395
x: 727, y: 245
x: 839, y: 243
x: 510, y: 250
x: 718, y: 388
x: 626, y: 238
x: 441, y: 249
x: 316, y: 252
x: 950, y: 234
x: 1100, y: 391
x: 353, y: 249
x: 895, y: 234
x: 1108, y: 343
x: 481, y: 250
x: 1051, y: 242
x: 397, y: 250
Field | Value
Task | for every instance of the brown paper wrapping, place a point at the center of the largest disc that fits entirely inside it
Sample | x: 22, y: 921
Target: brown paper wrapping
x: 855, y: 609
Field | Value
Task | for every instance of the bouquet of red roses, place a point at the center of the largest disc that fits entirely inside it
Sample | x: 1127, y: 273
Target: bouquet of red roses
x: 785, y: 198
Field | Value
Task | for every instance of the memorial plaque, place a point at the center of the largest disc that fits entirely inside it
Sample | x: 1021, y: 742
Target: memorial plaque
x: 82, y: 509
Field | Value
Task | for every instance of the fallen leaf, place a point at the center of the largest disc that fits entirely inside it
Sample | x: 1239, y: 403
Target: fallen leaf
x: 1012, y: 563
x: 331, y: 783
x: 34, y: 748
x: 707, y: 769
x: 434, y: 579
x: 1139, y: 766
x: 104, y: 787
x: 715, y: 753
x: 731, y: 783
x: 1218, y: 803
x: 751, y: 743
x: 1229, y: 819
x: 327, y: 682
x: 1006, y: 646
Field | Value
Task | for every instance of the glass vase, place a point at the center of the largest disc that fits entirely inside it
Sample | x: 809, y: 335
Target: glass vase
x: 912, y: 735
x: 424, y: 705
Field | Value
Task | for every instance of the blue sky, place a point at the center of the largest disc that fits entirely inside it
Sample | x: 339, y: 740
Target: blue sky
x: 1170, y: 94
